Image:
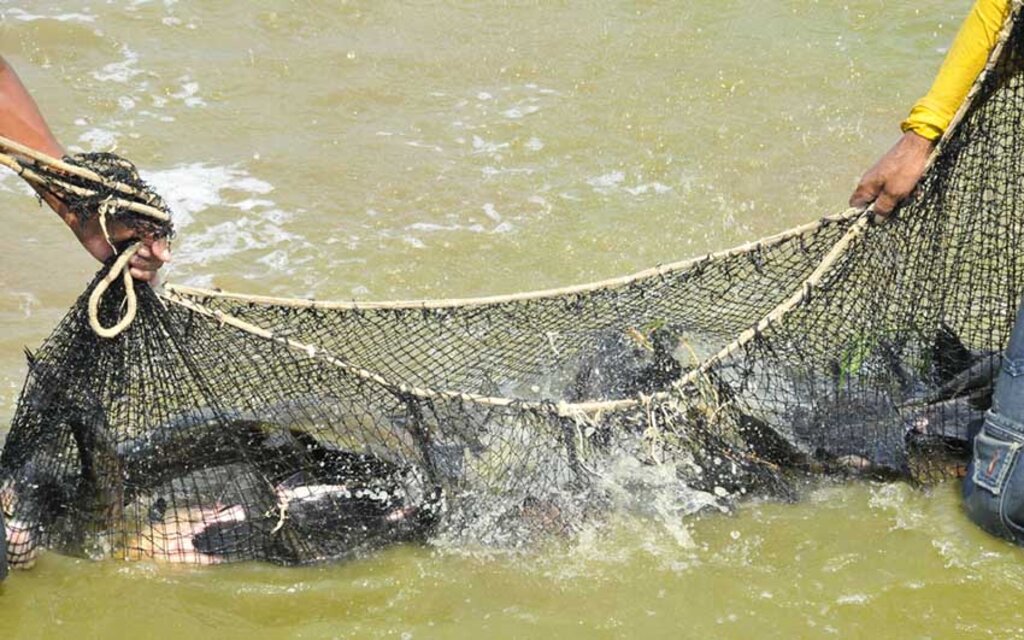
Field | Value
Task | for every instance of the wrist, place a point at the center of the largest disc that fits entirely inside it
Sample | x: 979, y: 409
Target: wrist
x: 915, y: 140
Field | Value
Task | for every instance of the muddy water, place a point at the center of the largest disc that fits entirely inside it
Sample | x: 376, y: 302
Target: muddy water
x: 377, y: 150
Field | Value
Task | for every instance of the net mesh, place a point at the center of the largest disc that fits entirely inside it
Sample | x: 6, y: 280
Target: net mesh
x: 220, y: 427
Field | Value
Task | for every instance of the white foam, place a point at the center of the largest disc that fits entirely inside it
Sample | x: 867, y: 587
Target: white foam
x: 430, y: 227
x: 541, y: 202
x: 138, y: 3
x: 191, y: 188
x: 482, y: 146
x: 255, y: 223
x: 229, y: 238
x: 491, y: 172
x: 516, y: 113
x: 614, y: 181
x: 424, y: 145
x: 642, y: 189
x: 121, y: 71
x: 189, y: 93
x: 24, y: 16
x: 277, y: 260
x: 99, y: 139
x: 491, y: 212
x: 252, y: 203
x: 607, y: 180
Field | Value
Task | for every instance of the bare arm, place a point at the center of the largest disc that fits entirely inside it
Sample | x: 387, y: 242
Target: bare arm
x: 21, y: 120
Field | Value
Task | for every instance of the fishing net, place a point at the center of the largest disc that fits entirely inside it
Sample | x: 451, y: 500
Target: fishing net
x: 215, y: 427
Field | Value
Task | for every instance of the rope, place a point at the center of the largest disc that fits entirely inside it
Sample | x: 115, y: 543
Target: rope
x: 120, y: 267
x: 608, y: 284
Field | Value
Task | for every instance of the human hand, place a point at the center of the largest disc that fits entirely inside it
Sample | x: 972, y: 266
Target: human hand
x: 895, y: 175
x: 152, y: 255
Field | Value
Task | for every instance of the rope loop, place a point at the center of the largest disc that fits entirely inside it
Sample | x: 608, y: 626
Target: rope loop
x: 119, y: 268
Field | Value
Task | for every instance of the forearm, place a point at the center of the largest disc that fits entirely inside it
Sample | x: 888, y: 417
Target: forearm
x: 967, y: 56
x: 20, y: 119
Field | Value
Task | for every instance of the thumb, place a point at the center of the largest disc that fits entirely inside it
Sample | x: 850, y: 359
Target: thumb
x: 161, y: 250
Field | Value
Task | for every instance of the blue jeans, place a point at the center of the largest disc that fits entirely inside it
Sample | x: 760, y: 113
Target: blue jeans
x: 3, y: 547
x: 994, y: 487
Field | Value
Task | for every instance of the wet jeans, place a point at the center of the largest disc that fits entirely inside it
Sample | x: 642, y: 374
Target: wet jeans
x: 994, y: 487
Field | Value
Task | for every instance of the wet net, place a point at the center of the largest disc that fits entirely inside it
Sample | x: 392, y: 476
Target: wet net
x: 218, y: 427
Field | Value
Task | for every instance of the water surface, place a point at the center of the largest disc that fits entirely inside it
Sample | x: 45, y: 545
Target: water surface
x: 376, y: 150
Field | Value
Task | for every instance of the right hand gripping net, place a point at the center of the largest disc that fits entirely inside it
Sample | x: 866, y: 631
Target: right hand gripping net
x: 219, y: 427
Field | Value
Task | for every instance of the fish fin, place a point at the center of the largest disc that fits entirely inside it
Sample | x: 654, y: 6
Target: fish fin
x: 980, y: 375
x: 294, y: 481
x: 225, y: 539
x: 950, y: 355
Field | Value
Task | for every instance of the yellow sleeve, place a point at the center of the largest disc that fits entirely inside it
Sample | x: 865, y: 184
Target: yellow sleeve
x: 965, y: 60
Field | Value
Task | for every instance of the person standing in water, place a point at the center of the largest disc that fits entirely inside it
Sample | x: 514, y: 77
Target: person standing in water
x: 21, y: 121
x: 993, y: 490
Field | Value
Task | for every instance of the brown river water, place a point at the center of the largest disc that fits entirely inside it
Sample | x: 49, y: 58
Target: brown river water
x: 379, y: 150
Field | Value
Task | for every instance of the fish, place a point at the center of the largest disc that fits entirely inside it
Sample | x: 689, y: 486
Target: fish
x: 67, y: 484
x: 305, y: 501
x: 919, y: 429
x: 343, y: 505
x: 314, y: 522
x: 170, y: 534
x: 625, y: 363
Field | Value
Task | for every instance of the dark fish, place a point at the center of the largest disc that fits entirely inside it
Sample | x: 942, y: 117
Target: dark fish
x: 316, y: 522
x: 625, y: 363
x: 340, y: 502
x: 868, y: 429
x: 70, y: 483
x: 321, y: 501
x: 949, y: 354
x: 976, y: 381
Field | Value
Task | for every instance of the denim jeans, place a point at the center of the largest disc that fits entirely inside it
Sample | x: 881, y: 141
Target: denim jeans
x: 3, y: 547
x: 994, y: 487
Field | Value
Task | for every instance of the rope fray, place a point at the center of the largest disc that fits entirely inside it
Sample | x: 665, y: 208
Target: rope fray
x: 120, y: 267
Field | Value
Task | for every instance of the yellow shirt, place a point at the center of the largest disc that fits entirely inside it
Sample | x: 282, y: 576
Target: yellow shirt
x: 965, y: 60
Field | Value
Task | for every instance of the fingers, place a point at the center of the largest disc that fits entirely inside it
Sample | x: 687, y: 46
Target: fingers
x: 894, y: 176
x: 144, y: 275
x: 865, y: 194
x: 161, y: 250
x: 886, y: 202
x: 148, y: 260
x: 884, y: 195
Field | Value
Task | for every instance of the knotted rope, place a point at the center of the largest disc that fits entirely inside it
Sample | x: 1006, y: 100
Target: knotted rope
x: 119, y: 268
